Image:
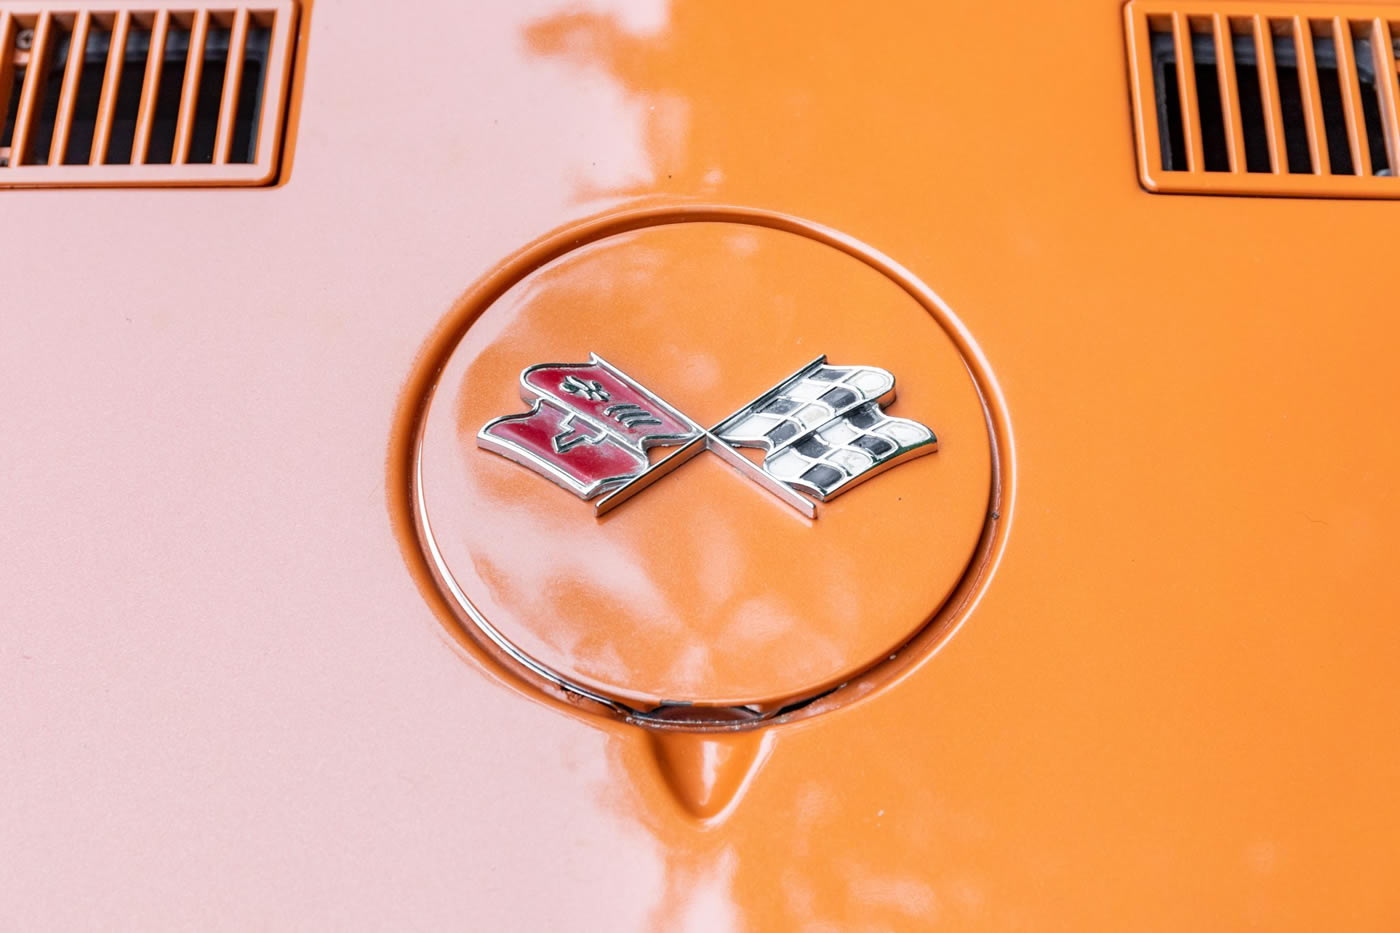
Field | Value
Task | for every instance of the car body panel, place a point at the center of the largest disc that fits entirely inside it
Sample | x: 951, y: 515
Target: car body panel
x: 226, y: 703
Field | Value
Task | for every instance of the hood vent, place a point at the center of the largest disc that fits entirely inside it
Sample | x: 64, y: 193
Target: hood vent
x: 112, y: 93
x: 1289, y: 99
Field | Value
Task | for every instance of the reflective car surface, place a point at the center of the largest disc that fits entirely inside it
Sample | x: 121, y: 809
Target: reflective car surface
x: 1121, y: 654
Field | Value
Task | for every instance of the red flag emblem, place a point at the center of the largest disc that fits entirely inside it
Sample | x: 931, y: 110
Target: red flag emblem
x: 588, y: 428
x: 608, y: 398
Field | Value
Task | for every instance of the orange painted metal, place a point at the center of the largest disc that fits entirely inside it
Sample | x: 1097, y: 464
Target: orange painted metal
x: 68, y: 92
x: 117, y: 16
x: 1263, y: 22
x: 229, y: 700
x: 189, y: 94
x: 233, y: 81
x: 111, y: 86
x: 31, y: 91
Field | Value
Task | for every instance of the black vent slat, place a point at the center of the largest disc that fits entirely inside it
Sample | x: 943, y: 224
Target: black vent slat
x: 169, y: 91
x: 250, y: 93
x: 1213, y: 143
x: 1333, y: 107
x: 1172, y: 138
x: 1370, y: 106
x: 1256, y: 133
x: 128, y: 103
x: 1295, y: 128
x: 47, y: 100
x: 211, y: 87
x: 86, y: 97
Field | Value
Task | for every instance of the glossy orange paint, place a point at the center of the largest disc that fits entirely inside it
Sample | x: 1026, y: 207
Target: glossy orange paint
x: 226, y: 702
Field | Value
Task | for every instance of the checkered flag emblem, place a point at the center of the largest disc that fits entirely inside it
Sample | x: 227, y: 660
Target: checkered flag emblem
x: 825, y: 430
x: 822, y: 430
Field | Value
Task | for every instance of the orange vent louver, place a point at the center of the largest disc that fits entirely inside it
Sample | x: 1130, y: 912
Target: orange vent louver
x: 1283, y: 99
x: 153, y: 93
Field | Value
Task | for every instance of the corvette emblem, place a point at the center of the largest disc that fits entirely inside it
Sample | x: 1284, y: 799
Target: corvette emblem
x: 822, y: 430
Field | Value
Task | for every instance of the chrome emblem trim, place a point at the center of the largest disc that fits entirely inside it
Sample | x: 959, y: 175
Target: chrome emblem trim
x: 823, y: 430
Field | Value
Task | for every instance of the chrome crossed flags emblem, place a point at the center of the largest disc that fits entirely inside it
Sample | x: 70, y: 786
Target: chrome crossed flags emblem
x: 823, y: 430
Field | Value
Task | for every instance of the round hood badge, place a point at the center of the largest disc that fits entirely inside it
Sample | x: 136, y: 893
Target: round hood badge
x: 690, y: 586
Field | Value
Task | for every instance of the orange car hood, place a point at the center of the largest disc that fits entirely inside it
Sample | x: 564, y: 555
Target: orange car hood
x: 230, y: 698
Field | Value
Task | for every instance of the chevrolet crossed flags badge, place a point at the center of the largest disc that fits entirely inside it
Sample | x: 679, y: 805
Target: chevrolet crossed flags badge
x: 823, y: 430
